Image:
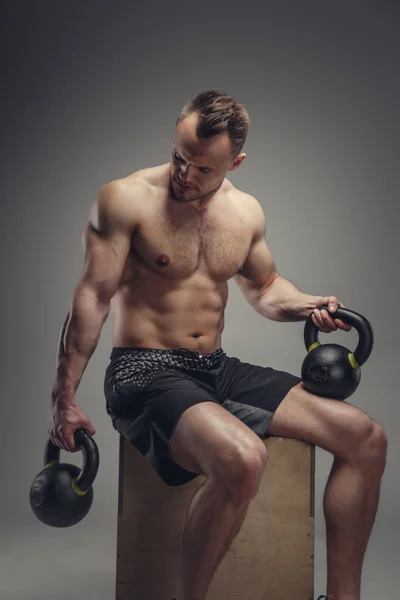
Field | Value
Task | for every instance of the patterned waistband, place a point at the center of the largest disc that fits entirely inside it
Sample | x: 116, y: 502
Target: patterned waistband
x: 152, y: 358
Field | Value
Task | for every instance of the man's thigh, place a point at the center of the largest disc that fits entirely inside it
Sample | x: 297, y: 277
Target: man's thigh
x: 276, y: 403
x: 334, y: 425
x: 209, y: 440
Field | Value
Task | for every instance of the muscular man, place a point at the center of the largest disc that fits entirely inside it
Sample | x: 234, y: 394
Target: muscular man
x: 160, y: 246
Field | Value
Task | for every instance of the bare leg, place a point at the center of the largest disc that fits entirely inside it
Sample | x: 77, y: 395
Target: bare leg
x: 350, y: 505
x: 213, y: 521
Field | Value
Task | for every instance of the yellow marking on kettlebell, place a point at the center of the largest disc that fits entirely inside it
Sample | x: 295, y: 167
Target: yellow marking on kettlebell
x: 353, y: 362
x: 76, y: 489
x: 53, y: 462
x: 314, y: 345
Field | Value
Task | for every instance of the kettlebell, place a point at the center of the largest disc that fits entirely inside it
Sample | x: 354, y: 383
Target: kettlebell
x: 61, y: 494
x: 331, y: 370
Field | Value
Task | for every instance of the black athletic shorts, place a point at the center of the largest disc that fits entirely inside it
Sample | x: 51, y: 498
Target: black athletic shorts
x: 148, y: 389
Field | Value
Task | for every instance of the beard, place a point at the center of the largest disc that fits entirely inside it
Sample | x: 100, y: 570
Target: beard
x: 192, y: 194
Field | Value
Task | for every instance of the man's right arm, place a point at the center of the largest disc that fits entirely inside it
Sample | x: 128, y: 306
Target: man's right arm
x: 106, y: 241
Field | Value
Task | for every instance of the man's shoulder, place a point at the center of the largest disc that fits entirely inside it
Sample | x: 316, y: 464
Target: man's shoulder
x: 134, y: 191
x: 246, y: 203
x: 138, y: 181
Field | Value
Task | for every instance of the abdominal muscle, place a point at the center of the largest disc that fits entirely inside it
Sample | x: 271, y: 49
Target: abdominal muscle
x: 160, y: 313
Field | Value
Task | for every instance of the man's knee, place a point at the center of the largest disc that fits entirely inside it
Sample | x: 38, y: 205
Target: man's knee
x: 241, y: 476
x: 374, y: 447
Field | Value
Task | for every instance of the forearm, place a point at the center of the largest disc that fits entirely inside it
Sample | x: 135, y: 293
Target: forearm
x: 78, y: 340
x: 283, y: 301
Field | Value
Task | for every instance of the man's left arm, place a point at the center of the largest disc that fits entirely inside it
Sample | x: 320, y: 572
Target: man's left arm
x: 273, y: 296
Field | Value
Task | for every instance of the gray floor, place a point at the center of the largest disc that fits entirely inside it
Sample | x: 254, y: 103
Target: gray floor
x: 38, y: 563
x: 41, y: 563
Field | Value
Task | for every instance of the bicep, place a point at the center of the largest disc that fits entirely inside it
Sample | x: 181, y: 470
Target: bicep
x: 106, y: 243
x: 259, y: 269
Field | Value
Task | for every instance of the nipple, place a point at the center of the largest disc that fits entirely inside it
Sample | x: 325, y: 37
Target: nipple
x: 163, y: 260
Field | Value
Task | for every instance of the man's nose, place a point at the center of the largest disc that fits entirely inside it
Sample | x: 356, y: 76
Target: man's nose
x: 184, y: 172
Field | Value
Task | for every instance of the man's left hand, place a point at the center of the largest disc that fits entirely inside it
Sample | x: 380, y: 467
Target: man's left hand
x: 323, y: 320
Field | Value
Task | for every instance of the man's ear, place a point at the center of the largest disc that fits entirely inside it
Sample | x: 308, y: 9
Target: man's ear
x: 237, y: 161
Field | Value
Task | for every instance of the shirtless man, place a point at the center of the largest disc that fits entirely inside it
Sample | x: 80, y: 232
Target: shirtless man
x: 160, y: 247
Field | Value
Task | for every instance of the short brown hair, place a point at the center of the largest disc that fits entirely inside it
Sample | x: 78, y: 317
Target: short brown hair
x: 217, y: 113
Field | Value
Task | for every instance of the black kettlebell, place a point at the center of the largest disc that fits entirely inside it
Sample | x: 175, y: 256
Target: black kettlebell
x: 61, y: 494
x: 331, y: 370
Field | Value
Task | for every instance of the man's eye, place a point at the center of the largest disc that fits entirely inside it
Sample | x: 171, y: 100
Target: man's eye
x: 205, y: 171
x: 177, y: 156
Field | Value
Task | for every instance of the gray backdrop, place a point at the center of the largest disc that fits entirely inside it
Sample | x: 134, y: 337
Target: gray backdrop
x: 91, y: 91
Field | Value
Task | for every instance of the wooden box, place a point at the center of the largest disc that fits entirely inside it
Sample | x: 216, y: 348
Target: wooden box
x: 271, y: 558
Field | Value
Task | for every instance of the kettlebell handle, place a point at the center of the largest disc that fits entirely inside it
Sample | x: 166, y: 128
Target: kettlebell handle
x: 352, y: 318
x: 91, y: 458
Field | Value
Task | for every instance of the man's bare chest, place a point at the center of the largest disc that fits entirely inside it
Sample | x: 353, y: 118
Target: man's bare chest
x: 178, y: 247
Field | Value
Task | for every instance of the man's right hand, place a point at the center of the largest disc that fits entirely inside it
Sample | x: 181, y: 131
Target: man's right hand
x: 65, y: 419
